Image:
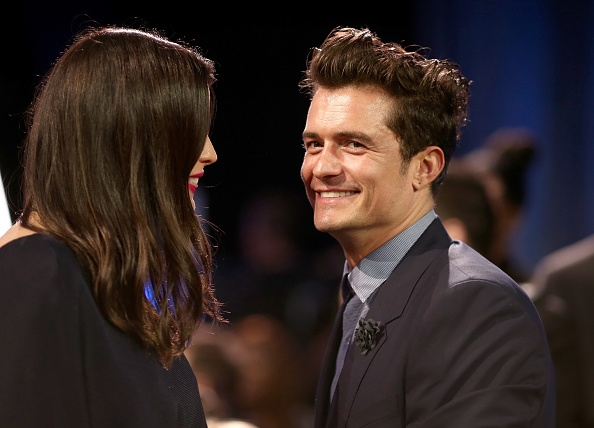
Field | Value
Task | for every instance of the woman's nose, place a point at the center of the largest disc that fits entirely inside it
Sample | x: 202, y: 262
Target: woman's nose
x: 208, y: 155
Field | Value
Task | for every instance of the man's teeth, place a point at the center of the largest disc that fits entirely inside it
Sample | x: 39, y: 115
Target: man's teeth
x: 335, y: 194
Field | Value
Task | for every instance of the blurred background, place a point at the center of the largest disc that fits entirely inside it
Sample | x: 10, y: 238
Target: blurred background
x: 532, y: 67
x: 531, y: 63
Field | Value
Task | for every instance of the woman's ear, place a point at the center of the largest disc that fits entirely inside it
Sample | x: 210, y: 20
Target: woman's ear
x: 430, y: 162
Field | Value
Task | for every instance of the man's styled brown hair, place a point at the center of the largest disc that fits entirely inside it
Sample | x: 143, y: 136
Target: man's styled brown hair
x: 430, y: 96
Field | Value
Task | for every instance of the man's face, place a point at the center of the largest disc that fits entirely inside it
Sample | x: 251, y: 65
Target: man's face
x: 353, y: 170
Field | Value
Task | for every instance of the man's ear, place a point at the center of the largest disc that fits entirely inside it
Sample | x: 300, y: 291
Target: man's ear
x: 429, y: 163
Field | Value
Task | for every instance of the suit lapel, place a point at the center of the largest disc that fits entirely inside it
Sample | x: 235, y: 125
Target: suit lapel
x: 388, y: 305
x: 322, y: 403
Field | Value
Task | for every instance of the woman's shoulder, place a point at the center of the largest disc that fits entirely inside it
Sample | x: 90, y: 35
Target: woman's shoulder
x: 15, y: 232
x: 28, y: 246
x: 35, y: 260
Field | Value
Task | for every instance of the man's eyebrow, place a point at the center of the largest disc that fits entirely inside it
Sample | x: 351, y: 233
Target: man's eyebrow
x: 360, y: 136
x: 309, y: 134
x: 354, y: 135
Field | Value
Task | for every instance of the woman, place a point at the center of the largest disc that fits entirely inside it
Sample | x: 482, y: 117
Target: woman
x: 106, y: 274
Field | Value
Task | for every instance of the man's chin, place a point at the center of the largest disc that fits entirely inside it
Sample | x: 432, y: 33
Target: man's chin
x: 326, y: 227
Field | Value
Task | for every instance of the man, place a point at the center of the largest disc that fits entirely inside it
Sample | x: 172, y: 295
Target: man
x: 563, y: 284
x: 444, y: 338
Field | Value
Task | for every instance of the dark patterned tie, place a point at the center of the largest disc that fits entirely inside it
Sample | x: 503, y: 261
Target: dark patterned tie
x: 350, y: 317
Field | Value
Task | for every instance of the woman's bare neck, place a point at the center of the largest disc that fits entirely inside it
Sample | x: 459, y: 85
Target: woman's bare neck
x: 16, y: 231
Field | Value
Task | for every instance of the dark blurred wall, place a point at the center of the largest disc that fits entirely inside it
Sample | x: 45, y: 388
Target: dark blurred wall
x: 532, y: 65
x: 259, y: 54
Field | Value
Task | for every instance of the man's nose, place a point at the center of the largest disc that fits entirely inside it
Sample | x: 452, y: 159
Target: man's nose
x: 327, y: 163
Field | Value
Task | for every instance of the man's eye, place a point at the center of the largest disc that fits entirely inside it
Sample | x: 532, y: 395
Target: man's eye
x: 310, y: 144
x: 354, y: 144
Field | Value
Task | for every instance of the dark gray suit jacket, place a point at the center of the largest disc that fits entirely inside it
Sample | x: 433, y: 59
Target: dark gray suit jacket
x: 566, y: 278
x: 461, y: 345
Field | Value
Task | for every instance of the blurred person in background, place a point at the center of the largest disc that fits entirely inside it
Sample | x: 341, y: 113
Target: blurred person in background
x: 564, y: 292
x: 218, y: 375
x: 503, y: 161
x: 464, y: 207
x: 276, y: 273
x: 272, y: 391
x: 271, y: 272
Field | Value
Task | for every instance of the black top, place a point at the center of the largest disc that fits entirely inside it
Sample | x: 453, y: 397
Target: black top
x: 62, y: 364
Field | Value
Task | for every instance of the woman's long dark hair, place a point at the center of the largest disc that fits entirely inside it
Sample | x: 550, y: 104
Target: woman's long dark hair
x: 115, y: 129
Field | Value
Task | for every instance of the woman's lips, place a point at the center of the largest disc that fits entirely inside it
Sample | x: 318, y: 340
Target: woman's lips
x: 193, y: 182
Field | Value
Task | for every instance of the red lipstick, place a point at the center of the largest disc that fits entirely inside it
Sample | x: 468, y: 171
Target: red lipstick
x: 193, y: 182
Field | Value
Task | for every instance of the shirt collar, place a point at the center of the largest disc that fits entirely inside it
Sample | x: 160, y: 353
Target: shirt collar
x: 373, y: 270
